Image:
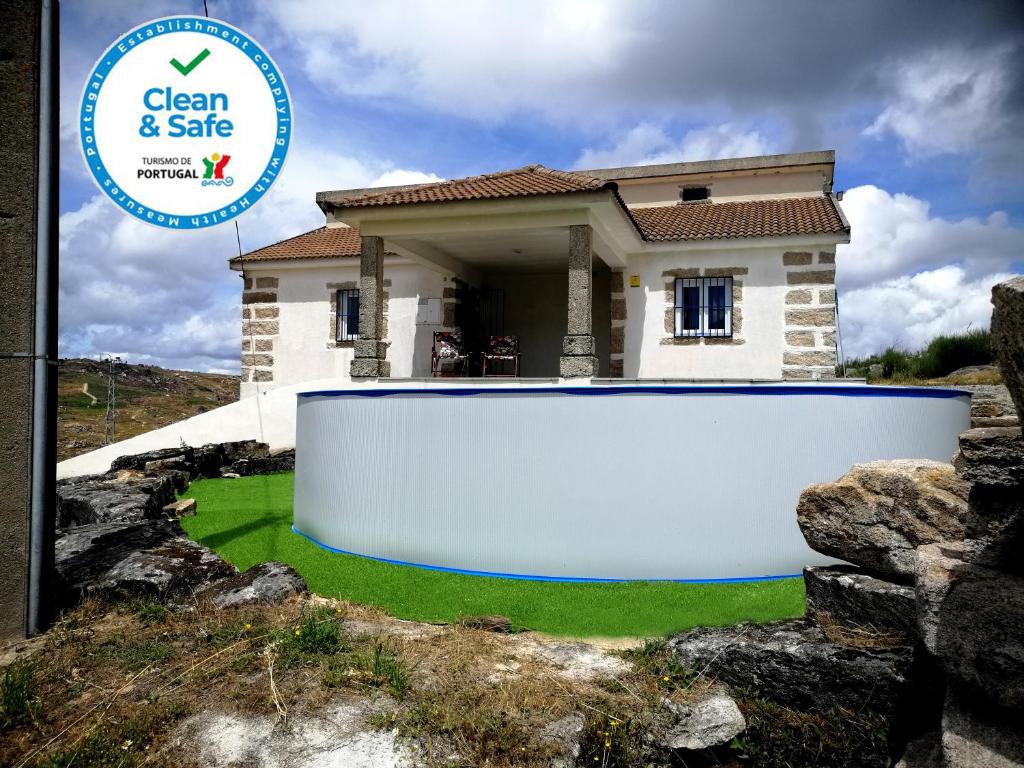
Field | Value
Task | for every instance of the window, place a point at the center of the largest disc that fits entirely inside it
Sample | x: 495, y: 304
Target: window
x: 348, y: 315
x: 690, y: 194
x: 703, y: 306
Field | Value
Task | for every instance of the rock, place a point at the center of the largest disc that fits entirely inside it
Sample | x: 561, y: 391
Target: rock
x: 499, y: 624
x: 877, y: 514
x: 994, y: 535
x: 83, y: 554
x: 923, y: 752
x: 994, y: 421
x: 708, y: 721
x: 876, y: 371
x: 1008, y: 336
x: 980, y: 737
x: 974, y: 370
x: 265, y: 465
x: 338, y: 736
x: 565, y: 733
x: 992, y: 456
x: 794, y: 664
x: 850, y: 596
x: 103, y: 499
x: 177, y: 565
x: 181, y: 508
x: 989, y: 400
x: 972, y: 620
x: 265, y: 584
x: 140, y: 460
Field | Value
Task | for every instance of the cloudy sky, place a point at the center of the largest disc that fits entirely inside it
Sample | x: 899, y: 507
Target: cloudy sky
x: 923, y: 103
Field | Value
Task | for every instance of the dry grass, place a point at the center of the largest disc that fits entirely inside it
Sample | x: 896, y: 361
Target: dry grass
x: 114, y: 682
x: 856, y: 636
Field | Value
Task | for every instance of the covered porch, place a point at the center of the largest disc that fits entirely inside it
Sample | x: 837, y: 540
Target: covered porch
x: 541, y: 270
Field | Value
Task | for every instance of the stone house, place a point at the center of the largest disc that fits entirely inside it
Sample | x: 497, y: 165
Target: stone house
x: 719, y: 269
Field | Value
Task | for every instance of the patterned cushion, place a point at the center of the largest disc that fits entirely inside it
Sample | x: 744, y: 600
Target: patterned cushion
x: 448, y: 345
x: 502, y: 347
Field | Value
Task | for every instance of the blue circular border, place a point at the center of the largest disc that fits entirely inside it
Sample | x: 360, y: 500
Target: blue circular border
x: 106, y: 182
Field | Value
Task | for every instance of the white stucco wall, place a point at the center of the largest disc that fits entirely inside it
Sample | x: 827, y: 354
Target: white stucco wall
x: 304, y: 347
x: 763, y: 307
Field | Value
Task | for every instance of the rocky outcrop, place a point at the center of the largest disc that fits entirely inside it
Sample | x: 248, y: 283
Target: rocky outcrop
x: 991, y: 456
x: 972, y: 620
x: 112, y: 498
x: 980, y: 737
x: 701, y: 723
x: 991, y: 405
x: 877, y: 514
x: 178, y: 566
x: 1008, y: 336
x: 265, y: 583
x: 844, y: 593
x: 84, y: 554
x: 795, y: 664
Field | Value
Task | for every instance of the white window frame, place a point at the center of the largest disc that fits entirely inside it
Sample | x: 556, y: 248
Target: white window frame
x: 703, y: 284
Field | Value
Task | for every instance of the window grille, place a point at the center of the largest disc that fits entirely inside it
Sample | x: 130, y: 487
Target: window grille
x: 348, y: 315
x: 703, y: 306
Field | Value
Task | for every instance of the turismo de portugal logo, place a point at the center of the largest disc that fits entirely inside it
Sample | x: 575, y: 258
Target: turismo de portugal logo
x: 185, y: 122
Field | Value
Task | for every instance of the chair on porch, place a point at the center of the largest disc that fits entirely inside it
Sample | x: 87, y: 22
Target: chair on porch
x: 501, y: 348
x: 449, y: 350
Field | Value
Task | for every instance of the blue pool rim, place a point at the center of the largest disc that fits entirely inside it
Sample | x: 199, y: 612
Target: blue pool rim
x: 530, y: 577
x: 773, y: 390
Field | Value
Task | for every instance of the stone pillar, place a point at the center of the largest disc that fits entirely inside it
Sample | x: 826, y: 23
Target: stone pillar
x: 578, y: 353
x: 370, y: 347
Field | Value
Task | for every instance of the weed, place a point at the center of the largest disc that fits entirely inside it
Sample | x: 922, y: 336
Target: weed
x: 19, y: 694
x: 318, y: 634
x: 654, y: 658
x: 384, y: 669
x: 133, y: 655
x: 150, y: 612
x: 777, y: 737
x: 609, y: 743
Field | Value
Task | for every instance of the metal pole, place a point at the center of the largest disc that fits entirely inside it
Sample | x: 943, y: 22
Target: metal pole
x: 44, y: 352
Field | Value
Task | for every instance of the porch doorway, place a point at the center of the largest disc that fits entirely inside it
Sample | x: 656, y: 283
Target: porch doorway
x: 532, y: 306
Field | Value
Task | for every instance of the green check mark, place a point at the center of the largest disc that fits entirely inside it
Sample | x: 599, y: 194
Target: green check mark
x: 186, y: 68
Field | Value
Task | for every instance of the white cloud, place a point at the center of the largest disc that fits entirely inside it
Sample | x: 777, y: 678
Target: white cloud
x: 399, y: 177
x: 909, y: 311
x: 167, y: 297
x: 948, y: 100
x: 908, y: 276
x: 648, y: 144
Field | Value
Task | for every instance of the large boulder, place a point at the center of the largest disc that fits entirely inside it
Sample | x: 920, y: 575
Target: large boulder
x: 848, y: 595
x: 1008, y: 336
x: 176, y: 566
x: 706, y: 721
x: 994, y: 535
x: 980, y: 737
x: 877, y: 514
x: 795, y: 664
x: 138, y: 461
x: 264, y: 584
x: 992, y: 456
x: 110, y: 498
x: 972, y: 620
x: 84, y: 554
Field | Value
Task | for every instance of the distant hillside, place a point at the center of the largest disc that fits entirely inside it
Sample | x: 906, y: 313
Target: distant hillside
x: 147, y: 397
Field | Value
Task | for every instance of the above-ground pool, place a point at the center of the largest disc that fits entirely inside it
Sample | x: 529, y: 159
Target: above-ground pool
x: 626, y: 481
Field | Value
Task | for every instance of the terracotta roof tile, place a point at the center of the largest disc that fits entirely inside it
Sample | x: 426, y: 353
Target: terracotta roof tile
x: 528, y: 181
x: 323, y: 243
x: 747, y: 218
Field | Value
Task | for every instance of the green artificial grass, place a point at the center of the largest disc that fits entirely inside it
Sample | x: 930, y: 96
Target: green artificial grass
x: 248, y: 521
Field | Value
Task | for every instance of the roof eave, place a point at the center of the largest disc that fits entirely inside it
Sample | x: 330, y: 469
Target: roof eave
x: 754, y: 163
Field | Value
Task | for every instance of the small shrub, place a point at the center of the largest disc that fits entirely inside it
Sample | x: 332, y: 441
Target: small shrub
x: 150, y: 612
x: 654, y: 658
x: 946, y: 354
x: 19, y: 694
